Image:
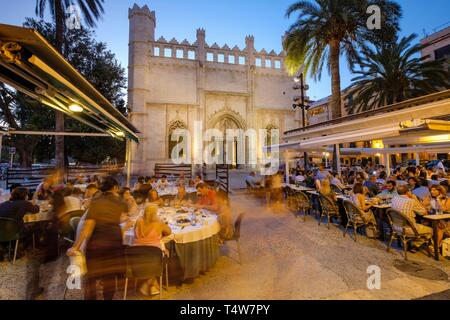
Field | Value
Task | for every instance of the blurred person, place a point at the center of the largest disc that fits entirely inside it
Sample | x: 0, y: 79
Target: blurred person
x: 252, y: 181
x: 434, y: 180
x: 18, y: 206
x: 322, y: 173
x: 181, y: 199
x: 421, y: 190
x: 225, y: 218
x: 103, y: 237
x: 337, y: 181
x: 325, y: 190
x: 389, y: 192
x: 197, y: 181
x: 437, y: 204
x: 163, y: 182
x: 139, y: 183
x: 181, y: 181
x: 372, y: 186
x: 153, y: 198
x: 91, y: 192
x: 149, y: 231
x: 132, y: 207
x: 45, y: 189
x: 207, y: 198
x: 359, y: 200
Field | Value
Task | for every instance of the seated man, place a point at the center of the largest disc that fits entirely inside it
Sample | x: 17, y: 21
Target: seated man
x: 336, y: 181
x: 422, y: 192
x: 252, y: 181
x: 18, y: 206
x: 408, y: 204
x: 389, y: 192
x: 207, y: 198
x: 372, y: 186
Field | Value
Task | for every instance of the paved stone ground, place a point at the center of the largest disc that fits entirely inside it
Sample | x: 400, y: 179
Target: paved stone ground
x: 282, y: 259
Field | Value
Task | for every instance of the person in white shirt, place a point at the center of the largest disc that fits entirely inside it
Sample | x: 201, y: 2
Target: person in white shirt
x: 337, y: 181
x: 440, y: 166
x: 163, y: 183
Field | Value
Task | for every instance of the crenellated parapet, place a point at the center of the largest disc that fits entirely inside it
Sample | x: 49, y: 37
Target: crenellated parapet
x: 215, y: 53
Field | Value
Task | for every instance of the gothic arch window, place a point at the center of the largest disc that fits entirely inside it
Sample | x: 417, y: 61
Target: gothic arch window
x: 175, y: 125
x: 269, y: 129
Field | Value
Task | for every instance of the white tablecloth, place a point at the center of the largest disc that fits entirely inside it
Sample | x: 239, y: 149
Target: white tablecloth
x: 206, y: 225
x: 173, y: 190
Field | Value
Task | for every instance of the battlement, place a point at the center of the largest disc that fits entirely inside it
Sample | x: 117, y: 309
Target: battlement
x: 144, y: 11
x: 174, y: 49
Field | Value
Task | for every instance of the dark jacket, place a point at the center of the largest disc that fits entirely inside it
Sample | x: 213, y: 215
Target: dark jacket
x: 17, y: 209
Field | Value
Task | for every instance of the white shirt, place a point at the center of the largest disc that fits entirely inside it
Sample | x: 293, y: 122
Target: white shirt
x: 71, y: 204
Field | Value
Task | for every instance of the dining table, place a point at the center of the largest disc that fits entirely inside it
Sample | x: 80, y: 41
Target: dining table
x: 435, y: 220
x: 194, y: 238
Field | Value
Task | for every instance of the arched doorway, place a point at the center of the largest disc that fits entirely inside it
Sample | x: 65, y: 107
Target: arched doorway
x: 175, y: 125
x: 230, y: 151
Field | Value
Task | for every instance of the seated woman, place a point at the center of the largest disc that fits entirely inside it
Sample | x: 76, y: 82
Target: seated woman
x: 153, y: 198
x: 149, y: 231
x: 163, y: 183
x: 18, y: 205
x: 198, y: 180
x: 181, y: 181
x: 44, y: 190
x: 325, y: 190
x: 439, y: 203
x: 359, y: 200
x: 132, y: 207
x: 181, y: 199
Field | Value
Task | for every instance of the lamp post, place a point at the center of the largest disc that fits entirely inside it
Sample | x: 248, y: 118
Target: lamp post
x: 301, y: 102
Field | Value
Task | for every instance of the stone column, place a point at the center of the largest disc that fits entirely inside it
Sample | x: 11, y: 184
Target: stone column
x: 142, y: 31
x: 250, y: 62
x: 201, y: 61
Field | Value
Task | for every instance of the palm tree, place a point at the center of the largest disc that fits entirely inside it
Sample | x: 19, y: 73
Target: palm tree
x: 327, y: 29
x: 394, y: 72
x: 91, y: 11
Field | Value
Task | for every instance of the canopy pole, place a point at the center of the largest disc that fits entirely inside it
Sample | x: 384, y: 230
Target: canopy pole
x: 128, y: 161
x: 387, y: 162
x: 337, y: 147
x: 286, y: 161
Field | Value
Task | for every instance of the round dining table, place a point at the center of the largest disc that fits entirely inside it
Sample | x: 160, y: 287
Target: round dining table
x: 193, y: 243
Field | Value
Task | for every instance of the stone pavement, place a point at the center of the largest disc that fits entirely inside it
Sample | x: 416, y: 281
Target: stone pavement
x: 282, y: 259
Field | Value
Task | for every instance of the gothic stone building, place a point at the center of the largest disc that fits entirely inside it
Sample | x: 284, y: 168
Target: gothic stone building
x: 173, y: 84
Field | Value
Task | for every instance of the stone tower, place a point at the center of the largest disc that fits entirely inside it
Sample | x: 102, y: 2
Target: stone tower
x: 142, y: 32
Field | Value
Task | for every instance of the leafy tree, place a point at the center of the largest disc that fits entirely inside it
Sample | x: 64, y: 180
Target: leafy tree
x: 99, y: 66
x: 327, y: 29
x: 91, y: 11
x: 394, y: 72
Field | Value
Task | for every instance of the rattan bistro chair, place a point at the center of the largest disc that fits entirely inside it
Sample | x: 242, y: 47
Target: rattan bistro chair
x: 355, y: 218
x: 329, y: 209
x: 336, y: 189
x: 403, y: 229
x: 10, y: 231
x: 302, y: 204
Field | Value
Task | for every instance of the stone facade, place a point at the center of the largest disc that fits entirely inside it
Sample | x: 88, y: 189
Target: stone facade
x: 172, y: 84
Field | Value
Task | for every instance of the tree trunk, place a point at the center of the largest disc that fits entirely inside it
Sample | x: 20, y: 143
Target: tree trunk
x: 335, y: 79
x: 59, y: 116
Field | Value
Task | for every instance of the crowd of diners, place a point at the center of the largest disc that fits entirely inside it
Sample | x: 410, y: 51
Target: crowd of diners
x: 109, y: 211
x: 416, y: 191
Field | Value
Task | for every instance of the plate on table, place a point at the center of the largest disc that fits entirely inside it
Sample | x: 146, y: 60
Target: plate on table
x: 183, y: 222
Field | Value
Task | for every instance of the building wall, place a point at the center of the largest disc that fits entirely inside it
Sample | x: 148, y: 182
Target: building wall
x: 176, y: 83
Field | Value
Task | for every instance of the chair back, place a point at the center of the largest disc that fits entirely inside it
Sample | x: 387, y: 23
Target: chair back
x: 302, y: 199
x: 336, y: 189
x: 353, y: 212
x: 399, y: 222
x: 328, y: 205
x: 237, y: 226
x: 144, y: 262
x: 249, y: 186
x: 10, y: 230
x: 74, y: 222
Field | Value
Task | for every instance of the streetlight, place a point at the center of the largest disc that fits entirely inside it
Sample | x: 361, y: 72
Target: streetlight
x: 300, y: 101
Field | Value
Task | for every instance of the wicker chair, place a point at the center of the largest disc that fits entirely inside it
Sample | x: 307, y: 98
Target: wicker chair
x: 355, y: 218
x: 329, y: 209
x: 403, y: 229
x: 290, y: 198
x: 302, y: 204
x: 336, y: 189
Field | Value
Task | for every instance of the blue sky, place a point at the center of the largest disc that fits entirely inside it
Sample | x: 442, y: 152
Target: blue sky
x: 227, y: 21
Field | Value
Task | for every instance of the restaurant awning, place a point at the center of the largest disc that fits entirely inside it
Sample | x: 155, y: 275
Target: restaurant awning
x: 32, y: 66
